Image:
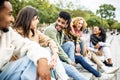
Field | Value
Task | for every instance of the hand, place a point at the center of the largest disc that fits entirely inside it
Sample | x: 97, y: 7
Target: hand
x: 77, y: 48
x: 77, y: 54
x: 72, y: 63
x: 99, y: 53
x: 53, y: 61
x: 43, y: 69
x: 97, y: 46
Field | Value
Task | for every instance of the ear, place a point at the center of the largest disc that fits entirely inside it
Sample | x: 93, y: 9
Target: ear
x: 66, y: 26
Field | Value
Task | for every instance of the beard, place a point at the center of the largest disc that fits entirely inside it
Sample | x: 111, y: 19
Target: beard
x: 5, y: 30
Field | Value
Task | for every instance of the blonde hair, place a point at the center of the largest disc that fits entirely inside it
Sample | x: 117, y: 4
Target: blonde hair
x: 75, y: 22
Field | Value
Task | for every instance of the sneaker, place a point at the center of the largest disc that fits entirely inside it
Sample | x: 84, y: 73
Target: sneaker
x: 107, y: 64
x: 106, y: 76
x: 110, y: 70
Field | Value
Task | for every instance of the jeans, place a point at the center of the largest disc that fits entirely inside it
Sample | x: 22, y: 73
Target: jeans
x: 21, y: 69
x: 69, y: 48
x: 78, y: 59
x: 73, y: 72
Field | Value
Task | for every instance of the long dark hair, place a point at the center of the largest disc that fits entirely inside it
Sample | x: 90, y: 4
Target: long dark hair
x: 102, y: 34
x: 24, y: 18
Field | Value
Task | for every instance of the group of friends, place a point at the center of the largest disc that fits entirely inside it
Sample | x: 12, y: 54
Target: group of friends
x: 28, y: 54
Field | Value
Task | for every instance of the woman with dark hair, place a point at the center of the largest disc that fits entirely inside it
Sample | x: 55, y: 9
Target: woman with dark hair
x: 26, y: 25
x: 97, y: 44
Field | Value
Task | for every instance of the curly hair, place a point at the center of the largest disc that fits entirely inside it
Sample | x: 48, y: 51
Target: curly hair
x: 75, y: 22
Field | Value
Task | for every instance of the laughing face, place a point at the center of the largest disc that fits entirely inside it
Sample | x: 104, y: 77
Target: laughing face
x: 61, y: 24
x: 6, y: 17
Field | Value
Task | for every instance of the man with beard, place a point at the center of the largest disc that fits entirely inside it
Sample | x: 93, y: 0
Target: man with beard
x: 20, y: 58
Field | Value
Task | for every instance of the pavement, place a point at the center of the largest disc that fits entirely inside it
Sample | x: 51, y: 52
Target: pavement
x: 114, y: 40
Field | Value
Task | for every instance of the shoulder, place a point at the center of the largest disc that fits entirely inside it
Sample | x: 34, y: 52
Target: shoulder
x: 50, y: 28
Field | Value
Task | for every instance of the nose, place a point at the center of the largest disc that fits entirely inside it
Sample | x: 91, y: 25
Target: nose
x: 59, y: 23
x: 12, y: 19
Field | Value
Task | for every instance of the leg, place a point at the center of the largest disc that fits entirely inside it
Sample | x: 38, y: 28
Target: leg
x: 61, y: 71
x: 83, y: 45
x: 59, y: 67
x: 107, y: 54
x: 96, y: 60
x: 69, y: 48
x: 80, y: 60
x: 18, y: 70
x: 73, y: 72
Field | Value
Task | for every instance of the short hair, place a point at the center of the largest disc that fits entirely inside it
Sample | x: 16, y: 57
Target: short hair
x: 2, y: 3
x: 66, y: 16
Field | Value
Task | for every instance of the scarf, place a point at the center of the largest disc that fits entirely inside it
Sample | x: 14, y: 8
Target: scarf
x: 95, y: 39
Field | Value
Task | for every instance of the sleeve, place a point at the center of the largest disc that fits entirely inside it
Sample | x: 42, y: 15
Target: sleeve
x: 45, y: 41
x: 62, y: 54
x: 104, y: 44
x: 89, y: 46
x: 23, y: 46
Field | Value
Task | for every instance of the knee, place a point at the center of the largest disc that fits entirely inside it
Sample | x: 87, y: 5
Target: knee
x: 70, y: 44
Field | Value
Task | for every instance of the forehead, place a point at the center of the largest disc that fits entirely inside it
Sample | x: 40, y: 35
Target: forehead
x: 96, y: 28
x: 81, y: 21
x: 62, y: 19
x: 8, y: 6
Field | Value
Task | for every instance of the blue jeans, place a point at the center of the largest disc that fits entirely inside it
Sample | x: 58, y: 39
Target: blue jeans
x: 73, y: 72
x: 78, y: 59
x: 22, y: 69
x: 69, y: 48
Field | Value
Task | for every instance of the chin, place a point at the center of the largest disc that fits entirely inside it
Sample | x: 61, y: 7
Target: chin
x: 5, y: 29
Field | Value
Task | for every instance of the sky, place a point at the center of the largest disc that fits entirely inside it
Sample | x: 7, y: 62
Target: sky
x: 93, y: 5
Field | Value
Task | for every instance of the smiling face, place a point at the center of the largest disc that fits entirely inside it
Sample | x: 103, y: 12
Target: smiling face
x: 79, y: 24
x: 96, y: 30
x: 34, y: 22
x: 61, y: 24
x: 6, y: 17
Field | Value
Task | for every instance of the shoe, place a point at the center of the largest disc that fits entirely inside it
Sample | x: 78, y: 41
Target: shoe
x: 110, y: 70
x: 106, y: 76
x: 107, y: 64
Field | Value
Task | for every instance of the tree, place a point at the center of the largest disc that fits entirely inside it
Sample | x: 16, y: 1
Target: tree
x: 107, y: 11
x: 93, y: 21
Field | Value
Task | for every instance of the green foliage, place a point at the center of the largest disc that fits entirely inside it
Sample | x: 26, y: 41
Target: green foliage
x: 93, y: 21
x: 106, y: 11
x: 49, y: 12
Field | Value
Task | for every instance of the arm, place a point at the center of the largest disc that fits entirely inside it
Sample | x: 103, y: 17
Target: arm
x: 89, y: 45
x: 33, y: 51
x: 52, y: 34
x: 47, y: 42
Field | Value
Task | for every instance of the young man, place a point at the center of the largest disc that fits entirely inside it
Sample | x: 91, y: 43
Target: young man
x: 18, y: 55
x: 55, y: 32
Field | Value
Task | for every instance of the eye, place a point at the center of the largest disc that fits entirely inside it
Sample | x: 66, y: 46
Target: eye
x: 63, y: 22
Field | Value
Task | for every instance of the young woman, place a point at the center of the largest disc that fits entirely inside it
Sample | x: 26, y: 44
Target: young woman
x: 26, y: 25
x: 78, y: 24
x: 97, y: 44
